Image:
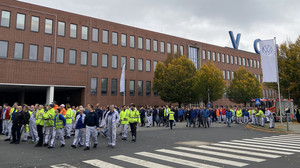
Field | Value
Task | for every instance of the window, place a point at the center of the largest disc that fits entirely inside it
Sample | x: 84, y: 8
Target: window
x: 193, y: 55
x: 219, y: 57
x: 60, y: 53
x: 162, y: 47
x: 140, y: 64
x: 123, y: 40
x: 244, y: 62
x: 154, y: 65
x: 73, y: 30
x: 227, y: 59
x: 84, y: 32
x: 3, y: 48
x: 131, y: 87
x: 35, y: 24
x: 104, y: 60
x: 247, y: 62
x: 114, y: 61
x: 231, y: 60
x: 224, y: 75
x: 61, y: 28
x: 251, y: 63
x: 148, y: 88
x: 236, y: 60
x: 148, y: 44
x: 113, y: 87
x: 95, y: 34
x: 105, y: 36
x: 203, y: 54
x: 114, y: 38
x: 232, y: 75
x: 168, y: 48
x: 240, y: 61
x: 124, y: 61
x: 132, y: 42
x: 148, y: 65
x: 94, y: 86
x: 223, y: 58
x: 208, y: 55
x: 33, y: 52
x: 140, y: 88
x: 5, y: 18
x: 47, y: 54
x: 254, y: 63
x: 83, y: 58
x: 20, y: 21
x: 132, y: 62
x: 72, y: 57
x: 19, y: 50
x: 94, y: 59
x: 214, y: 56
x: 258, y: 64
x: 259, y: 78
x: 175, y: 48
x: 155, y: 93
x: 155, y: 45
x: 140, y: 43
x: 181, y: 50
x: 48, y: 26
x: 228, y: 75
x: 104, y: 86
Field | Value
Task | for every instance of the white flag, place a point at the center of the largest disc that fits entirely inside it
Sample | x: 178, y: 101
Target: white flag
x: 122, y: 80
x: 268, y: 60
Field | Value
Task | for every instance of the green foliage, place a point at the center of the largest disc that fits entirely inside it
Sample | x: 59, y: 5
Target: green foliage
x: 210, y: 78
x: 244, y: 87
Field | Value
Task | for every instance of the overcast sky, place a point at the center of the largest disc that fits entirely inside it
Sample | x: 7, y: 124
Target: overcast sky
x: 202, y: 20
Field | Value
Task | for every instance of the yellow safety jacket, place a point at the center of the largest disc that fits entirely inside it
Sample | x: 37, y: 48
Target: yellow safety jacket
x: 239, y: 113
x: 58, y: 122
x: 10, y: 113
x: 49, y: 117
x: 39, y: 120
x: 166, y: 112
x: 124, y: 117
x: 171, y: 115
x: 134, y: 116
x: 69, y: 116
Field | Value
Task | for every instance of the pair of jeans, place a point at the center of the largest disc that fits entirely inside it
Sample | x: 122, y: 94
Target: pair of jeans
x: 160, y: 120
x: 133, y: 130
x: 228, y: 121
x: 188, y: 122
x: 40, y: 134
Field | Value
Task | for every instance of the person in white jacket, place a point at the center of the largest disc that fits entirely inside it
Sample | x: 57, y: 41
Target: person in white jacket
x: 112, y: 120
x: 79, y: 129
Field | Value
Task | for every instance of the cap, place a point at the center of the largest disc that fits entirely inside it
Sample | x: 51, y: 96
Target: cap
x: 62, y: 105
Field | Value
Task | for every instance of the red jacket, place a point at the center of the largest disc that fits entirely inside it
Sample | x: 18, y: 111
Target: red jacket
x: 223, y: 112
x: 6, y: 117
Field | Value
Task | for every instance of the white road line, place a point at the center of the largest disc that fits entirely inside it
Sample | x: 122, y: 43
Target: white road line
x: 202, y: 157
x: 254, y: 144
x: 285, y: 138
x: 270, y: 144
x: 176, y: 160
x: 100, y: 163
x: 278, y: 139
x: 253, y: 159
x: 139, y: 162
x: 64, y: 165
x: 254, y: 148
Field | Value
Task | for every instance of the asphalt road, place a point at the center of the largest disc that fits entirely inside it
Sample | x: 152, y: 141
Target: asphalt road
x: 155, y: 147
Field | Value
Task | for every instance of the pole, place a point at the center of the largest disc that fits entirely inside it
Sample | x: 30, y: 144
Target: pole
x: 278, y: 84
x: 124, y: 98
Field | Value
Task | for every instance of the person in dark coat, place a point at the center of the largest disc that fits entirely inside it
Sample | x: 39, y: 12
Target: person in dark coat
x: 17, y: 122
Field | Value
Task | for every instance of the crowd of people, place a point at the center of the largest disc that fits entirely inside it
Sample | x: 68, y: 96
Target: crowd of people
x: 45, y: 124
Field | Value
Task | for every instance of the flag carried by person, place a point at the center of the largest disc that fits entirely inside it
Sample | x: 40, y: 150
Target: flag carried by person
x: 122, y: 80
x: 268, y: 60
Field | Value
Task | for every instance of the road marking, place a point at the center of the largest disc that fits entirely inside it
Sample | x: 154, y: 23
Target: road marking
x: 64, y: 165
x: 176, y: 160
x: 139, y: 162
x: 240, y: 151
x: 221, y: 154
x: 283, y: 138
x: 272, y: 142
x: 277, y: 139
x: 267, y: 144
x: 100, y: 163
x: 254, y: 149
x: 253, y: 144
x: 202, y: 157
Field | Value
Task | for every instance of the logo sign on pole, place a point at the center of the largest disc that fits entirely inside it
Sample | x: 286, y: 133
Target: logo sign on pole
x: 257, y: 102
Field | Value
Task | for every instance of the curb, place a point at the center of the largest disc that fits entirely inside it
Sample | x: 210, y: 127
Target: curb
x: 272, y: 131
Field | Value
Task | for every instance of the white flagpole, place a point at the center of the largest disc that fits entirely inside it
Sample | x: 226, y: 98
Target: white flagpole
x: 122, y: 83
x: 278, y: 84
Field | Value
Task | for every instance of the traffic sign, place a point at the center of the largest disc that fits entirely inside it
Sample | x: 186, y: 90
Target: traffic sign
x: 257, y: 102
x: 208, y: 105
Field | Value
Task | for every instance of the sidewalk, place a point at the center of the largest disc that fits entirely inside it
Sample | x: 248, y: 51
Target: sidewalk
x: 294, y: 127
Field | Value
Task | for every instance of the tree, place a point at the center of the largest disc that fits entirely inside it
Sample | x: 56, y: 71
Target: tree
x: 175, y: 81
x: 289, y: 70
x: 244, y: 87
x: 209, y: 82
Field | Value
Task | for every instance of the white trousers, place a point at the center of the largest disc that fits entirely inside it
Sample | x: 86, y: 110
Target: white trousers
x: 4, y: 126
x: 23, y: 129
x: 262, y: 121
x: 68, y: 129
x: 112, y: 134
x: 246, y: 119
x: 48, y: 134
x: 272, y: 122
x: 9, y: 126
x: 219, y: 118
x: 33, y: 132
x: 124, y: 128
x: 59, y: 133
x: 224, y: 118
x: 79, y: 137
x: 253, y: 119
x: 91, y: 131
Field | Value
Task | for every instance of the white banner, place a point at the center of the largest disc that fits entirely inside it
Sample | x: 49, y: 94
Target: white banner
x: 268, y: 60
x: 122, y: 80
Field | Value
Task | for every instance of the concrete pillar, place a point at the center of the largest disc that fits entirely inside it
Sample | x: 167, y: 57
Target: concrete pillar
x: 50, y: 95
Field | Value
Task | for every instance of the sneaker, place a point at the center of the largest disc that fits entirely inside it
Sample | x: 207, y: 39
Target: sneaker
x: 112, y: 146
x: 86, y: 148
x: 50, y: 147
x: 37, y: 145
x: 68, y: 137
x: 95, y: 146
x: 81, y: 145
x: 8, y: 139
x: 73, y: 146
x: 17, y: 142
x: 62, y: 145
x: 45, y: 145
x: 12, y: 142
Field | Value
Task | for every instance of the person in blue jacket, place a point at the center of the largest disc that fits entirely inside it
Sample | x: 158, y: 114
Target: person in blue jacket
x: 205, y: 115
x: 246, y: 116
x: 228, y: 117
x: 193, y: 116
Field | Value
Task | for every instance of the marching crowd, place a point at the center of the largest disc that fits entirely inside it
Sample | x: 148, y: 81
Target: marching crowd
x: 45, y: 124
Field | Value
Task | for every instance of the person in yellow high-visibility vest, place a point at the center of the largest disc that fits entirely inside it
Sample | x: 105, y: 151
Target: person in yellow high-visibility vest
x: 49, y: 123
x: 239, y: 114
x: 124, y: 121
x: 40, y: 122
x: 171, y: 118
x: 166, y: 114
x: 134, y: 119
x: 69, y: 120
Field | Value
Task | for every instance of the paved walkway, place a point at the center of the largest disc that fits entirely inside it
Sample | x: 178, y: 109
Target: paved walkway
x: 294, y: 127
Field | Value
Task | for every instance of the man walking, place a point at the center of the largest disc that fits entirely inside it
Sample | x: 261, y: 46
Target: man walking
x: 17, y: 122
x: 124, y: 120
x: 49, y: 125
x: 228, y: 117
x: 134, y: 119
x: 91, y: 124
x: 112, y: 120
x: 79, y: 129
x: 59, y: 123
x: 39, y: 125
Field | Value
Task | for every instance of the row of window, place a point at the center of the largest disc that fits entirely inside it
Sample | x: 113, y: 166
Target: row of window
x: 61, y: 31
x: 114, y: 87
x: 269, y: 93
x: 230, y: 59
x: 230, y: 75
x: 60, y: 56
